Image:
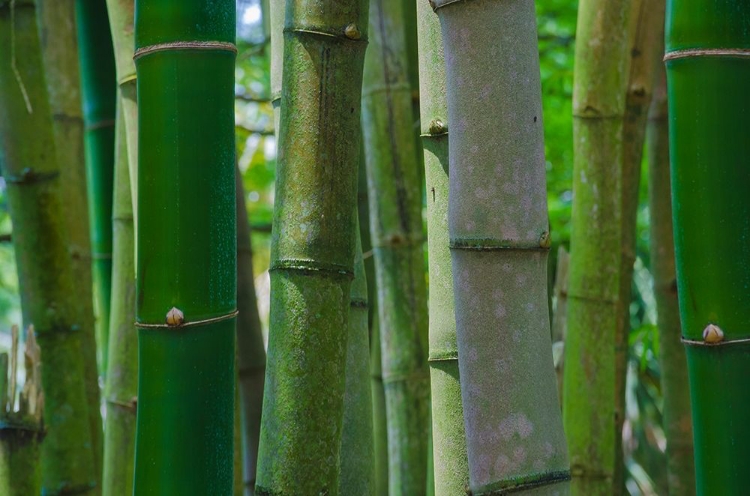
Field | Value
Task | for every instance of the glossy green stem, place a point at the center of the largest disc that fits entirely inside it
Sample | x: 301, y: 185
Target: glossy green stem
x: 396, y: 230
x: 99, y: 95
x: 312, y: 247
x: 678, y: 425
x: 499, y: 241
x: 121, y: 390
x: 451, y: 469
x: 594, y: 312
x: 251, y: 354
x: 38, y: 209
x: 187, y: 242
x: 56, y: 21
x: 709, y: 114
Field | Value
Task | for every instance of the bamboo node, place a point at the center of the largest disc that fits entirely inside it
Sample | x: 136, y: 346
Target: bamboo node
x: 713, y: 334
x: 545, y: 240
x: 185, y: 45
x: 175, y: 317
x: 352, y: 32
x: 437, y: 127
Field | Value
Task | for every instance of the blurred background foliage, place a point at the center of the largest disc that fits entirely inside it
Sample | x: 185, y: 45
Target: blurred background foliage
x: 256, y: 153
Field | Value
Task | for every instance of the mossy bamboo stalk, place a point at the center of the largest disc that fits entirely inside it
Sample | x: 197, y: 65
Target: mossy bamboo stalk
x: 56, y: 21
x: 678, y: 424
x: 250, y: 351
x: 396, y: 230
x: 357, y: 449
x: 45, y: 268
x: 121, y: 390
x: 312, y: 248
x: 186, y: 256
x: 594, y: 315
x: 514, y: 432
x: 448, y: 436
x: 645, y: 22
x: 99, y: 92
x: 707, y: 49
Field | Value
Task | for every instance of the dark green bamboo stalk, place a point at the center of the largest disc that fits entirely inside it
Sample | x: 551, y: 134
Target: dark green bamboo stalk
x: 707, y: 49
x: 186, y: 263
x: 21, y: 428
x: 250, y: 352
x: 646, y: 19
x: 56, y: 21
x: 449, y: 439
x: 357, y: 449
x: 396, y: 229
x: 594, y: 315
x: 499, y: 240
x: 678, y: 424
x: 312, y: 248
x: 45, y: 271
x: 98, y: 88
x: 121, y: 391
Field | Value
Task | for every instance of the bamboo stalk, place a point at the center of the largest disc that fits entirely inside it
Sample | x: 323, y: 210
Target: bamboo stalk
x: 514, y: 431
x: 594, y: 314
x: 312, y: 247
x: 121, y: 390
x: 56, y: 21
x: 451, y: 470
x: 707, y: 49
x: 45, y: 269
x: 396, y: 230
x: 186, y: 256
x: 678, y: 425
x: 250, y: 352
x: 98, y: 88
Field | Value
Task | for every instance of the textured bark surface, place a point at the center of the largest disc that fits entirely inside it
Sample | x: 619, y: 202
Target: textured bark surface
x: 594, y: 313
x: 312, y: 250
x: 499, y: 238
x: 50, y: 296
x: 450, y: 462
x: 396, y: 230
x: 678, y: 425
x: 56, y: 21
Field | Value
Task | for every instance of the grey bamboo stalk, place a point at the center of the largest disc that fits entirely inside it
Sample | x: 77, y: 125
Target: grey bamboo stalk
x: 448, y: 436
x: 677, y: 418
x: 357, y: 449
x: 396, y: 229
x: 647, y: 20
x: 45, y: 268
x: 589, y: 382
x: 56, y: 20
x: 499, y: 239
x: 250, y: 352
x: 312, y: 247
x: 121, y: 390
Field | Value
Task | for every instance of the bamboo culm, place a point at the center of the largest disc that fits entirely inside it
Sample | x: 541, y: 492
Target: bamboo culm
x: 45, y: 268
x: 678, y: 425
x: 186, y: 298
x: 514, y: 432
x: 451, y: 470
x: 312, y: 263
x: 707, y: 65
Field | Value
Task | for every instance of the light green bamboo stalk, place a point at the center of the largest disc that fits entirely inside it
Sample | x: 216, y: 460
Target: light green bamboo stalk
x: 396, y: 230
x: 678, y: 425
x: 594, y: 315
x: 312, y: 250
x: 499, y: 240
x: 449, y: 440
x: 56, y: 21
x: 50, y: 299
x: 121, y: 390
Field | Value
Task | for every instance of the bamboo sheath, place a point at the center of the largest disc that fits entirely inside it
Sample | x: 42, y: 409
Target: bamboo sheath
x: 45, y: 269
x: 514, y: 433
x: 186, y: 256
x: 708, y: 64
x: 449, y: 441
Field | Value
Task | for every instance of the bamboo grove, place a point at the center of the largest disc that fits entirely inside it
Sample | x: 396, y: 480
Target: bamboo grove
x: 374, y: 247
